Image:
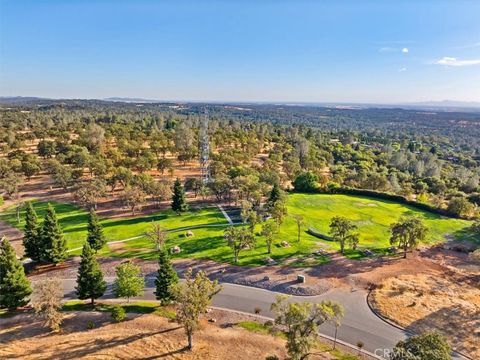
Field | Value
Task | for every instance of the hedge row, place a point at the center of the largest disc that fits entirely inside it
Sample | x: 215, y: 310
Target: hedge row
x: 319, y: 235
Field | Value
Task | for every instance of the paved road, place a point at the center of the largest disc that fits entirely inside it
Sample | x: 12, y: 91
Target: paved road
x: 359, y: 323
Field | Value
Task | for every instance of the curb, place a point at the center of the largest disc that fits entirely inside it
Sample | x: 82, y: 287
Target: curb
x: 350, y: 346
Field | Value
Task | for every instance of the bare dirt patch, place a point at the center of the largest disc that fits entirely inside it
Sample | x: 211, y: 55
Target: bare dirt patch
x: 448, y: 303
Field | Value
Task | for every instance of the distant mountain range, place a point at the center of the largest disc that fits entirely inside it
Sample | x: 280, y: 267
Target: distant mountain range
x: 445, y: 105
x: 131, y: 100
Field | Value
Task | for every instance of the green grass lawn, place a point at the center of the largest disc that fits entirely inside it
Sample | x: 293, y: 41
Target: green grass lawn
x: 373, y: 218
x: 73, y: 221
x: 137, y: 307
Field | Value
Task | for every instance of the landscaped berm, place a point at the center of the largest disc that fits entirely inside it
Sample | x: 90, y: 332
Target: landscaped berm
x: 372, y: 218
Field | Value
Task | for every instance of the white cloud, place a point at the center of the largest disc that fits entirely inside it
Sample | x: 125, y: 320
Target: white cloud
x: 452, y: 61
x: 388, y: 49
x: 402, y: 69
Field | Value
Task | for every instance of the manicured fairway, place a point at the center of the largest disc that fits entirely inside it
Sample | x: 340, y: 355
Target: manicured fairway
x: 373, y: 218
x: 73, y: 221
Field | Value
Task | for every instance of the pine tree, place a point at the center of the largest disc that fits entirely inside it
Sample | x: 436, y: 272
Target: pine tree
x: 90, y: 283
x: 31, y: 234
x: 179, y: 203
x: 95, y: 237
x: 276, y: 194
x: 14, y: 285
x: 54, y: 246
x: 166, y: 277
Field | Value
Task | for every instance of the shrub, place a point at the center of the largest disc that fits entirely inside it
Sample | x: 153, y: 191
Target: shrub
x: 1, y: 200
x: 475, y: 255
x: 90, y: 325
x: 272, y: 357
x: 306, y: 182
x: 268, y: 323
x: 118, y: 313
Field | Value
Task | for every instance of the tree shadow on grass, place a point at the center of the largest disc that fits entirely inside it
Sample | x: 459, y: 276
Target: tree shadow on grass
x: 31, y: 325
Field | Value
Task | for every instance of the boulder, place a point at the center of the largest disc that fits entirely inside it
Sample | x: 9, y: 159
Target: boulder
x: 392, y: 250
x: 270, y: 261
x: 367, y: 252
x: 175, y: 250
x: 284, y: 244
x: 189, y: 234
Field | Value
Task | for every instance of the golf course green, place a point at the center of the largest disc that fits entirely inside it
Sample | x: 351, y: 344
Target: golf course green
x: 372, y: 217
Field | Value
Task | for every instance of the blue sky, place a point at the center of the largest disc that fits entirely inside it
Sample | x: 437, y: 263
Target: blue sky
x: 264, y: 50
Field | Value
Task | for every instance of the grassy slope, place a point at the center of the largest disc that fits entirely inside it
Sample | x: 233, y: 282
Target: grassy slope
x: 73, y: 221
x: 373, y: 218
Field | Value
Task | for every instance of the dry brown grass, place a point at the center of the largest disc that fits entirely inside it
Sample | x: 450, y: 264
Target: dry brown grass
x: 449, y: 304
x: 139, y: 337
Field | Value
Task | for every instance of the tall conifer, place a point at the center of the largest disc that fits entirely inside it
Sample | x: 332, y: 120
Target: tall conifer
x: 166, y: 277
x: 54, y: 246
x: 90, y: 282
x: 179, y: 203
x: 95, y: 237
x: 31, y: 234
x: 14, y: 285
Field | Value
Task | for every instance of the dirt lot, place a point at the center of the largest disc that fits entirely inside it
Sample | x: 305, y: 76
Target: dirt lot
x: 447, y: 301
x: 139, y: 337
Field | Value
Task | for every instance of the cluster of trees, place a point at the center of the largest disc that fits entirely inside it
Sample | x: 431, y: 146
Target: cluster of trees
x: 192, y: 296
x: 44, y: 242
x: 271, y: 216
x: 101, y: 149
x: 406, y: 233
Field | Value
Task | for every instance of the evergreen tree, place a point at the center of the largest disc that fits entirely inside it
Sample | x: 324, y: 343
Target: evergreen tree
x: 54, y: 246
x: 14, y: 285
x: 95, y: 237
x: 166, y: 277
x: 90, y: 283
x: 31, y: 234
x: 179, y: 203
x: 275, y: 195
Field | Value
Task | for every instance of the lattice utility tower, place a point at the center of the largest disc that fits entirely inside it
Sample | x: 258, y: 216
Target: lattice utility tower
x: 204, y: 148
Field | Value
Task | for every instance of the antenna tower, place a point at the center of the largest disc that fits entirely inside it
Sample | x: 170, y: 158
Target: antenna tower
x: 204, y: 148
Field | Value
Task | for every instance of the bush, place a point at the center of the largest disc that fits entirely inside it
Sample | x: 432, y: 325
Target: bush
x: 1, y: 200
x: 306, y: 182
x: 90, y: 325
x: 118, y: 313
x: 268, y: 323
x: 475, y: 255
x: 272, y: 357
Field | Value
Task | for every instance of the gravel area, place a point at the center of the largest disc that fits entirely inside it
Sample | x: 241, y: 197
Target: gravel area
x: 269, y: 278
